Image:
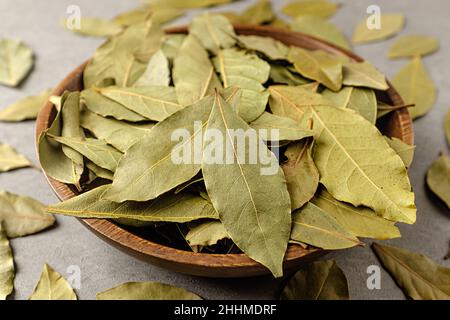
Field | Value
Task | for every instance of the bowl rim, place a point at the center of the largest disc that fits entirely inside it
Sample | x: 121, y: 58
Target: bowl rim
x: 162, y: 255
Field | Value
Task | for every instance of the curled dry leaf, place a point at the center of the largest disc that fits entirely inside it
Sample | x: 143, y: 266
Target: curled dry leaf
x: 52, y: 286
x: 146, y: 291
x: 16, y: 61
x: 389, y: 25
x: 320, y: 280
x: 26, y: 108
x: 418, y: 277
x: 438, y: 178
x: 10, y: 159
x: 7, y: 272
x: 415, y: 86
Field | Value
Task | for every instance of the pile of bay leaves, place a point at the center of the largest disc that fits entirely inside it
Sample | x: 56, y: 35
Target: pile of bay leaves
x: 336, y: 177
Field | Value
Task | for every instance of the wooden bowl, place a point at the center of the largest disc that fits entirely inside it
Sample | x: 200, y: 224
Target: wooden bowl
x: 397, y: 124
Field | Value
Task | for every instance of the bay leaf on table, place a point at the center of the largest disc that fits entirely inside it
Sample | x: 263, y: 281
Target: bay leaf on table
x: 7, y: 272
x: 98, y: 151
x: 188, y: 4
x: 363, y: 170
x: 96, y: 102
x: 162, y: 13
x: 418, y: 277
x: 319, y: 280
x: 363, y: 74
x: 133, y: 16
x: 152, y: 102
x: 413, y: 45
x: 282, y: 75
x: 258, y: 13
x: 142, y: 173
x: 16, y: 61
x: 157, y: 72
x: 206, y: 234
x: 286, y: 128
x: 10, y: 159
x: 123, y: 58
x: 97, y: 27
x: 415, y: 86
x: 172, y: 44
x: 320, y: 8
x: 319, y: 66
x: 22, y: 215
x: 182, y: 207
x: 193, y: 72
x: 247, y: 72
x: 26, y: 108
x: 257, y: 218
x: 146, y: 291
x: 52, y: 286
x: 214, y: 31
x: 447, y: 126
x: 404, y: 150
x: 269, y: 47
x: 320, y: 28
x: 438, y: 178
x: 290, y: 101
x: 302, y: 176
x: 119, y: 134
x: 317, y: 227
x: 389, y: 25
x: 360, y: 221
x: 362, y: 100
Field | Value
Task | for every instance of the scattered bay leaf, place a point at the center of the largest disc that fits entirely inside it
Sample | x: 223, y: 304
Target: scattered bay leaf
x: 415, y: 86
x: 52, y: 286
x: 418, y: 277
x: 146, y: 291
x: 438, y: 178
x: 16, y: 61
x: 319, y: 280
x: 320, y: 8
x: 26, y: 108
x: 413, y: 45
x: 7, y: 272
x: 389, y: 25
x: 10, y: 159
x: 97, y: 27
x: 259, y: 13
x: 133, y: 16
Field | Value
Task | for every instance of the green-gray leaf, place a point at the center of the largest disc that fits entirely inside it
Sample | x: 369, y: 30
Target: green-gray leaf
x: 25, y: 109
x: 97, y: 27
x: 52, y: 286
x: 363, y: 74
x: 157, y: 72
x: 16, y: 61
x: 269, y: 47
x: 10, y: 159
x: 438, y: 178
x: 404, y: 150
x: 206, y: 234
x: 389, y: 25
x: 284, y: 128
x: 413, y: 45
x: 7, y: 272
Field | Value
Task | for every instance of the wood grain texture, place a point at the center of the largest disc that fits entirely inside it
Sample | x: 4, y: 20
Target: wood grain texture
x: 398, y: 124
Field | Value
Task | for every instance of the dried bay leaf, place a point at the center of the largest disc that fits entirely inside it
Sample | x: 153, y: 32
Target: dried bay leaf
x: 7, y: 272
x: 320, y: 8
x: 52, y: 286
x: 146, y: 291
x: 447, y: 126
x: 172, y: 44
x: 99, y: 171
x: 415, y: 86
x: 152, y: 102
x: 259, y: 13
x: 247, y: 72
x: 418, y: 277
x: 319, y: 280
x: 157, y: 72
x: 390, y: 25
x: 362, y: 100
x: 317, y: 227
x: 360, y: 221
x: 438, y: 178
x: 22, y: 216
x: 286, y: 128
x: 269, y: 47
x: 282, y: 75
x: 290, y: 101
x: 413, y: 45
x: 188, y: 4
x: 404, y: 150
x: 16, y: 61
x: 142, y: 173
x: 363, y: 170
x: 133, y: 16
x: 10, y: 159
x: 119, y: 134
x: 258, y: 218
x: 181, y: 208
x: 26, y: 108
x: 193, y: 73
x: 319, y: 66
x: 302, y: 176
x: 320, y: 28
x: 98, y: 151
x: 214, y: 31
x: 96, y: 102
x: 206, y: 234
x: 97, y: 27
x: 363, y: 74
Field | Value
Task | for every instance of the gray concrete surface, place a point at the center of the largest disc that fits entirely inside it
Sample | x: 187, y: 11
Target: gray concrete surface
x: 69, y: 243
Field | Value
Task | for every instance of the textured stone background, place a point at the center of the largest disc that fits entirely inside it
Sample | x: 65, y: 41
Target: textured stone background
x: 69, y: 243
